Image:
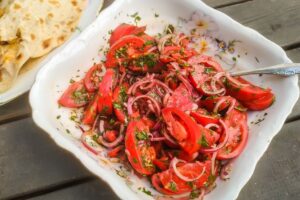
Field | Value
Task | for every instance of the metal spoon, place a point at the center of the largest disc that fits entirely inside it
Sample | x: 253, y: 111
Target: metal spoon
x: 286, y: 69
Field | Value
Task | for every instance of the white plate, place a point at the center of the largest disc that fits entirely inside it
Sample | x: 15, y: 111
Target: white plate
x: 253, y: 51
x: 26, y: 77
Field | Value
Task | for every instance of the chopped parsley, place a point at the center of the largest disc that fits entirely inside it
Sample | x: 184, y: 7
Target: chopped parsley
x: 142, y: 189
x: 141, y: 135
x: 134, y: 160
x: 58, y: 116
x: 173, y: 186
x: 150, y: 60
x: 208, y: 70
x: 203, y: 142
x: 156, y: 15
x: 195, y: 194
x: 136, y: 17
x: 169, y: 29
x: 117, y: 105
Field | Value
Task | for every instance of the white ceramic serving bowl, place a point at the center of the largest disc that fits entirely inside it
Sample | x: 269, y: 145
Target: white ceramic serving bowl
x: 26, y: 79
x: 82, y: 52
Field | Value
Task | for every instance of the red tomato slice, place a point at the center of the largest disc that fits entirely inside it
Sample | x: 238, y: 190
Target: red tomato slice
x: 139, y: 153
x: 119, y: 97
x: 110, y: 135
x: 175, y: 53
x: 183, y: 127
x: 207, y: 61
x: 245, y: 93
x: 210, y: 102
x: 124, y: 49
x: 260, y: 103
x: 204, y: 118
x: 181, y: 99
x: 162, y: 163
x: 147, y: 62
x: 123, y: 30
x: 167, y: 182
x: 90, y: 113
x: 114, y: 152
x: 92, y: 78
x: 75, y: 96
x: 105, y: 93
x: 236, y: 122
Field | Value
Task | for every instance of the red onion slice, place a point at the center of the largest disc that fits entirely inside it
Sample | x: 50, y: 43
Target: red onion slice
x: 221, y: 145
x: 155, y: 104
x: 212, y: 125
x: 113, y: 144
x: 236, y: 82
x: 225, y: 171
x: 89, y: 143
x: 181, y: 176
x: 222, y: 100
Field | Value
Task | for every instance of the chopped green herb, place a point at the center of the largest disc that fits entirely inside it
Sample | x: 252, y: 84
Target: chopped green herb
x: 72, y: 81
x: 95, y: 137
x: 173, y: 186
x: 203, y: 142
x: 241, y: 108
x: 156, y: 15
x: 68, y: 131
x: 145, y: 191
x: 169, y: 29
x: 149, y: 60
x: 234, y: 59
x: 58, y: 116
x: 117, y: 105
x: 121, y: 173
x: 136, y: 17
x: 208, y: 70
x: 141, y: 135
x: 256, y: 59
x: 134, y: 160
x: 195, y: 194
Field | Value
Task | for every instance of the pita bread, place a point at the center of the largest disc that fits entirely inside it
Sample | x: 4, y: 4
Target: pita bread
x: 31, y: 29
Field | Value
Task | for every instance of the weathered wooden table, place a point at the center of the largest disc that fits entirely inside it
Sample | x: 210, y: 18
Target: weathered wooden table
x: 33, y: 167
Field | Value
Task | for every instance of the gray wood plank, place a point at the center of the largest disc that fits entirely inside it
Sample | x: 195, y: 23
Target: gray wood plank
x: 277, y: 175
x: 93, y: 190
x: 15, y: 109
x: 222, y: 3
x: 294, y: 55
x: 30, y: 160
x: 276, y: 19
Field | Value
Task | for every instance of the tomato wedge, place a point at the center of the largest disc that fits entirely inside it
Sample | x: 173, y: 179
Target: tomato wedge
x: 260, y: 103
x: 119, y: 98
x: 204, y: 118
x: 175, y: 53
x: 167, y: 182
x: 123, y: 50
x: 105, y: 93
x: 183, y: 128
x: 90, y: 113
x: 75, y: 96
x: 209, y: 62
x: 139, y: 153
x: 246, y: 92
x: 123, y: 30
x: 237, y: 128
x: 92, y: 78
x: 181, y: 99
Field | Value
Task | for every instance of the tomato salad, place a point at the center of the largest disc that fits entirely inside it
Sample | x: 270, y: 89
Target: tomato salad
x: 172, y: 114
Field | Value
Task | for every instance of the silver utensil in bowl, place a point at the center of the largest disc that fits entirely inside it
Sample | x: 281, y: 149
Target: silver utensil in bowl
x: 286, y: 69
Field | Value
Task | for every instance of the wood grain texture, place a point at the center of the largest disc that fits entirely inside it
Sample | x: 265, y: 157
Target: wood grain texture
x: 222, y: 3
x: 30, y: 160
x: 15, y: 109
x: 278, y: 20
x: 93, y: 190
x: 277, y: 175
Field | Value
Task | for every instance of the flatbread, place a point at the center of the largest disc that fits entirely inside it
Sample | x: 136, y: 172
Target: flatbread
x: 31, y: 29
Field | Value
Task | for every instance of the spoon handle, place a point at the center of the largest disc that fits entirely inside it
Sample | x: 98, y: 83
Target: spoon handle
x: 286, y: 69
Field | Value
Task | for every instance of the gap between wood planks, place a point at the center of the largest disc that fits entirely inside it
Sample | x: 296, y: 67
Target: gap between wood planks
x: 51, y: 188
x: 231, y: 4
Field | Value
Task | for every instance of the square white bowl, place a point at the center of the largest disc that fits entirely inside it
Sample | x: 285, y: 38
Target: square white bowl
x: 82, y: 52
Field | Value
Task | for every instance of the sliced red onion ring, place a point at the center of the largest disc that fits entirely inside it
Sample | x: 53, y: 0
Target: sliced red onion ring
x: 162, y: 41
x: 171, y: 140
x: 181, y: 176
x: 235, y: 81
x: 214, y: 90
x: 89, y: 143
x: 113, y: 144
x: 213, y: 162
x: 154, y: 103
x: 212, y: 125
x: 95, y: 123
x: 101, y: 126
x: 222, y: 100
x: 222, y: 144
